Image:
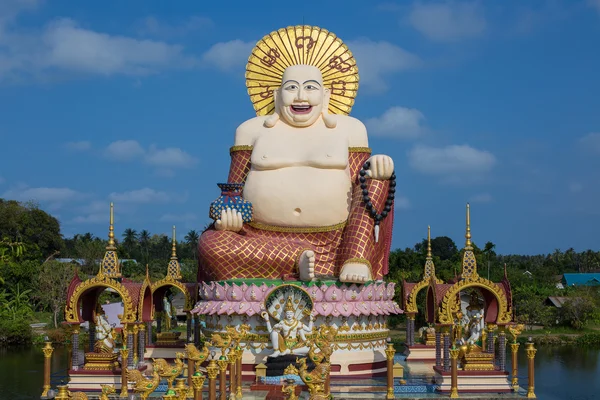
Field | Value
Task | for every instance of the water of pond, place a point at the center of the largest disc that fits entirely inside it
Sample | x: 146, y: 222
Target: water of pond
x: 562, y: 373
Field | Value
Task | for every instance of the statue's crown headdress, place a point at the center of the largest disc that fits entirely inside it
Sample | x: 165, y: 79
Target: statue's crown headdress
x: 289, y: 306
x: 301, y: 45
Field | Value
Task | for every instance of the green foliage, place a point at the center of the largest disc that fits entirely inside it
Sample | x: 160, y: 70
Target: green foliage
x: 37, y: 230
x: 579, y: 311
x: 17, y: 332
x: 53, y: 281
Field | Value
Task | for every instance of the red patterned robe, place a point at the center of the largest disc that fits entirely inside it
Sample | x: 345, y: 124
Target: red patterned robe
x: 259, y: 251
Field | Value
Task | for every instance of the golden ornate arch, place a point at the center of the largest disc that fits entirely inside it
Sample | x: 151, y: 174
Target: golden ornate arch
x: 140, y: 305
x: 450, y: 303
x: 101, y: 280
x: 411, y: 300
x: 169, y: 281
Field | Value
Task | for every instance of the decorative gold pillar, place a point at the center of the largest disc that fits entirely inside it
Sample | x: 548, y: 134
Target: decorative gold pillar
x: 198, y: 383
x: 531, y: 369
x: 136, y: 329
x: 389, y: 353
x: 223, y: 377
x: 48, y: 349
x: 190, y: 369
x: 181, y: 389
x: 239, y: 353
x: 63, y: 393
x: 124, y: 356
x: 454, y: 374
x: 212, y: 370
x: 232, y: 372
x: 514, y: 347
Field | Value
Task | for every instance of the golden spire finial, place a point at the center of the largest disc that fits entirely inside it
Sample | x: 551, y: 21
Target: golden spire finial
x: 174, y: 247
x: 111, y: 229
x: 429, y: 255
x: 468, y: 244
x: 110, y: 266
x: 174, y: 269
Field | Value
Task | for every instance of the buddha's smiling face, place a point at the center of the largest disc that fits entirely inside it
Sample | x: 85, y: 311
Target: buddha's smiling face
x: 301, y: 98
x: 289, y: 315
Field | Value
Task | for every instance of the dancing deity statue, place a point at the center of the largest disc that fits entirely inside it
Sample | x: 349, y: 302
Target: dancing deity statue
x: 321, y: 204
x: 471, y: 322
x: 105, y: 335
x: 288, y: 336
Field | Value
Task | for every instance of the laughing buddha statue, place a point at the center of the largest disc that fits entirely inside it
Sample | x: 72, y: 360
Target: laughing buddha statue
x: 322, y: 205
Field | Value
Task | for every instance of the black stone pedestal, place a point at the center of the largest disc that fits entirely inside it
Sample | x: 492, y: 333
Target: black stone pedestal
x: 276, y: 365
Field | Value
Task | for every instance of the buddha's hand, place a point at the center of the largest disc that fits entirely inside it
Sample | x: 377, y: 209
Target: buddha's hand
x: 231, y: 220
x: 381, y: 167
x: 264, y: 315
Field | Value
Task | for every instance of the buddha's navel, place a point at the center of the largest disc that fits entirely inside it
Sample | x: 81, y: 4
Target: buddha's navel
x: 297, y: 212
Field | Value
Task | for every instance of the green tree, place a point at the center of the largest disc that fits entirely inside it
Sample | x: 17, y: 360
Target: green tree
x: 130, y: 241
x: 53, y: 281
x: 191, y: 238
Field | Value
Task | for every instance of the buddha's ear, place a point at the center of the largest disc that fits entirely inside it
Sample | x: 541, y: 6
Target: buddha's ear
x: 273, y: 118
x: 329, y: 119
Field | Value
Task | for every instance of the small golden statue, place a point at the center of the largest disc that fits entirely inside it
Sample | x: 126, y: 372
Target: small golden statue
x: 169, y: 372
x: 142, y: 385
x: 316, y: 379
x: 103, y: 357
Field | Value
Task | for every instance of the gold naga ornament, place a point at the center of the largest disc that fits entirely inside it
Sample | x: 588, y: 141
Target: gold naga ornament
x: 301, y: 45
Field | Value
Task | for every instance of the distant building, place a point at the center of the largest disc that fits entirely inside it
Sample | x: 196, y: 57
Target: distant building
x: 81, y: 261
x: 589, y: 279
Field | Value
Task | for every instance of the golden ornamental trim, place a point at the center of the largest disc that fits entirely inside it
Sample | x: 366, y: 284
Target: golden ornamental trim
x: 289, y: 229
x: 450, y: 303
x: 359, y: 150
x: 72, y: 306
x: 170, y: 281
x: 242, y: 147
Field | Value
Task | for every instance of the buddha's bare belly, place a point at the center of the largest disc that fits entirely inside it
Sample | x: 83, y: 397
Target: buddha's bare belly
x: 299, y: 196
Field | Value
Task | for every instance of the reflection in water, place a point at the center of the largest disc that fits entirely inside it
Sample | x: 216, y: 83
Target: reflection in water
x: 562, y: 373
x: 22, y: 371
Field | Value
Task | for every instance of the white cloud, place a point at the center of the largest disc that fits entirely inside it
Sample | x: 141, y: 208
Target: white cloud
x: 591, y: 141
x: 575, y: 187
x: 397, y: 122
x: 165, y: 159
x: 63, y: 46
x: 171, y: 157
x: 595, y: 4
x: 95, y: 218
x: 228, y: 55
x: 178, y: 217
x: 79, y: 146
x: 155, y: 27
x: 124, y: 150
x: 449, y: 20
x: 454, y: 163
x: 376, y: 60
x: 401, y: 202
x: 145, y: 195
x: 481, y: 198
x: 43, y: 194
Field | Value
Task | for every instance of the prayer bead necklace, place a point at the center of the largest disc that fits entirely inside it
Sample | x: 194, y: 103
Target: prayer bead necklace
x: 367, y: 200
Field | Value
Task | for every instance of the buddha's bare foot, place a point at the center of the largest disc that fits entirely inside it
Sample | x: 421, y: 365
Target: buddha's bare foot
x: 355, y: 273
x: 306, y: 265
x: 276, y: 353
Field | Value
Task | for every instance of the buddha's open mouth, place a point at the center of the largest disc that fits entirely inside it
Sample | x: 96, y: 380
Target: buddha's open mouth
x: 301, y: 109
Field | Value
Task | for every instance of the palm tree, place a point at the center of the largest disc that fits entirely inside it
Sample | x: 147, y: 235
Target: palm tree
x: 191, y: 239
x: 488, y: 250
x: 130, y: 238
x: 144, y: 239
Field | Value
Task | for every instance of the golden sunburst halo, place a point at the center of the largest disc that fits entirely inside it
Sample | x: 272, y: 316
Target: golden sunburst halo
x: 307, y: 45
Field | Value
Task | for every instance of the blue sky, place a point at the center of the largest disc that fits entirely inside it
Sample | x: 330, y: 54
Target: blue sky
x: 137, y: 102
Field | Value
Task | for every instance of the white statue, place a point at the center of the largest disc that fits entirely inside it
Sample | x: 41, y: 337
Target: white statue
x: 288, y: 336
x: 105, y: 342
x: 300, y: 168
x: 471, y: 321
